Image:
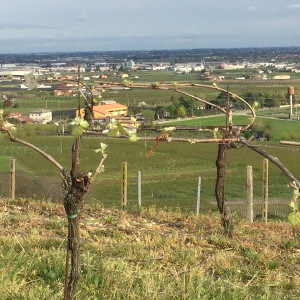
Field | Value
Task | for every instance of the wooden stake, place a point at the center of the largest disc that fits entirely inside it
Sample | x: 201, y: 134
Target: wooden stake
x: 227, y: 110
x: 266, y: 188
x: 78, y: 70
x: 66, y: 274
x: 249, y: 194
x: 124, y: 186
x: 198, y: 196
x: 139, y: 189
x: 12, y: 190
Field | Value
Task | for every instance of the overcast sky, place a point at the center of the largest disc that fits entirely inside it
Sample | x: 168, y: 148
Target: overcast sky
x: 96, y: 25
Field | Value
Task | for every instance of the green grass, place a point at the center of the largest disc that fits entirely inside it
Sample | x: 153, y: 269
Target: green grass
x: 217, y: 120
x: 169, y: 175
x: 155, y: 254
x: 281, y: 129
x: 52, y: 103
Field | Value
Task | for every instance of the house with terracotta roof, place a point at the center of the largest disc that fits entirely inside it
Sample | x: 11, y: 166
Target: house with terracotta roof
x: 21, y: 118
x: 64, y: 90
x: 112, y: 112
x: 108, y: 110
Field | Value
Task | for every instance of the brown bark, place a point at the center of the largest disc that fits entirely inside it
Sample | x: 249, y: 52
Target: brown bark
x: 220, y: 190
x: 43, y: 153
x: 274, y: 160
x: 75, y: 159
x: 72, y: 204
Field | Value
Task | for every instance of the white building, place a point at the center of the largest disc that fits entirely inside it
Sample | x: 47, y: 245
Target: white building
x: 159, y: 68
x: 198, y: 68
x: 41, y: 116
x: 130, y: 64
x: 232, y: 66
x: 183, y: 68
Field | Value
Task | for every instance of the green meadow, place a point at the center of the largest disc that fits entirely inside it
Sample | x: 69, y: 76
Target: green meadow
x: 281, y: 129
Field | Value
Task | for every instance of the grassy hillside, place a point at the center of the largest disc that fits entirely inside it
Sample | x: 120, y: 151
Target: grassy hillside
x: 154, y: 254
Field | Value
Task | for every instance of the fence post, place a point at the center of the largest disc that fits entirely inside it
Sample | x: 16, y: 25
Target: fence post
x: 249, y: 194
x: 265, y: 189
x: 12, y: 187
x: 139, y: 174
x: 124, y: 186
x: 198, y: 196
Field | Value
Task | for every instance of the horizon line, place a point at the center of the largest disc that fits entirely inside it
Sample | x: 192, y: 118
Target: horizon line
x: 147, y: 50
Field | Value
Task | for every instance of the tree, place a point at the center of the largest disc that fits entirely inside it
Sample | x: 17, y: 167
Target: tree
x: 262, y: 130
x: 181, y: 112
x: 172, y: 110
x: 148, y: 116
x: 188, y: 103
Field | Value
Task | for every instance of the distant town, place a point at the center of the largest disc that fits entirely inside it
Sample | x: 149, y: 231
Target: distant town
x: 55, y: 72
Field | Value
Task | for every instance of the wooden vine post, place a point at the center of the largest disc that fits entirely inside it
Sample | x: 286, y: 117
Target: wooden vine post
x: 198, y: 196
x: 249, y: 194
x: 265, y: 189
x: 124, y: 186
x: 221, y: 173
x: 12, y: 185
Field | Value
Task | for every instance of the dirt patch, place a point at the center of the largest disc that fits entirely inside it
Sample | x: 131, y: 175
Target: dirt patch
x: 39, y: 187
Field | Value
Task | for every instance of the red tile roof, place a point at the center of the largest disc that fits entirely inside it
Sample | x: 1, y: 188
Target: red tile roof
x: 108, y: 107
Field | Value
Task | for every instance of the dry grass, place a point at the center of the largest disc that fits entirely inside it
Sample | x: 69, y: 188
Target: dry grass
x: 151, y: 254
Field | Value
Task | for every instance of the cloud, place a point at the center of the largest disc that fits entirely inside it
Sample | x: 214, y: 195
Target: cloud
x: 20, y: 26
x: 252, y: 8
x: 81, y: 18
x: 293, y: 6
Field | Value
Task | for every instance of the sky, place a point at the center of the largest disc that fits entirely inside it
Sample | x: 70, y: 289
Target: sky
x: 28, y: 26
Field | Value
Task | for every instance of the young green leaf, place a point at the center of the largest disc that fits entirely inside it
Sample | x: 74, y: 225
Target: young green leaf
x: 127, y: 82
x: 84, y: 124
x: 133, y: 137
x: 122, y: 131
x: 294, y: 218
x: 294, y: 206
x: 113, y: 132
x: 217, y: 134
x: 77, y: 131
x: 255, y: 105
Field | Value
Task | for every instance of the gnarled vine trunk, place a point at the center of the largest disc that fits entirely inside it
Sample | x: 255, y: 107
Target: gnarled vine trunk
x: 220, y: 190
x: 78, y: 186
x: 72, y: 204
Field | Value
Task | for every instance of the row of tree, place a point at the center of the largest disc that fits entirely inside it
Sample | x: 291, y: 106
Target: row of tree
x: 185, y: 107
